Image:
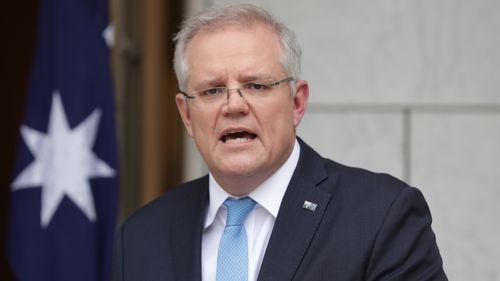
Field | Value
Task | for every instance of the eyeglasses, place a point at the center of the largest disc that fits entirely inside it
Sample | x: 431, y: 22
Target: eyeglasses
x: 251, y: 89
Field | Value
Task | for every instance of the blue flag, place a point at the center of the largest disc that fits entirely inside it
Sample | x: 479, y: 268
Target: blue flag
x: 64, y: 190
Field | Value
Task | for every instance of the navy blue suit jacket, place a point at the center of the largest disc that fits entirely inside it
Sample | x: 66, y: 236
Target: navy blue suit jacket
x: 366, y: 226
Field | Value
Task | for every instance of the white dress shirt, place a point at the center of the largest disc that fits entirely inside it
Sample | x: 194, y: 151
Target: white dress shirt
x: 259, y: 223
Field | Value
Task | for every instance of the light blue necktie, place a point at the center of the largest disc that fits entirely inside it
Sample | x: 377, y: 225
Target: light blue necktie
x: 232, y: 260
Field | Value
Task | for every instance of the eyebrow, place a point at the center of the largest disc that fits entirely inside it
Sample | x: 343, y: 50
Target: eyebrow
x: 250, y: 78
x: 221, y: 81
x: 215, y: 82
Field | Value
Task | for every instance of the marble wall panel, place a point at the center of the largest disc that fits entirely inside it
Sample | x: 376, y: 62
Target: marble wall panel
x: 368, y: 140
x: 456, y: 163
x: 397, y: 52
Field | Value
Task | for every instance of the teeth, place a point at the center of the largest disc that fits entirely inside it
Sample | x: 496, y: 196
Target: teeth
x: 237, y: 140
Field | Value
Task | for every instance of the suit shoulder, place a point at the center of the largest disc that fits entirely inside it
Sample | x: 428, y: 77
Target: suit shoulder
x: 337, y: 174
x: 370, y: 196
x: 368, y: 182
x: 167, y: 204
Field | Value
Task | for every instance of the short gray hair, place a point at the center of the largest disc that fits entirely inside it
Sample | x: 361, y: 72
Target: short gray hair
x: 245, y: 15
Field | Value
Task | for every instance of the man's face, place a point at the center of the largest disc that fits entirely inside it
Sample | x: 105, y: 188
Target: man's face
x: 241, y: 140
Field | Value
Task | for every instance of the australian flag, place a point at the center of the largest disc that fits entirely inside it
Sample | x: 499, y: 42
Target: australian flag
x: 64, y: 190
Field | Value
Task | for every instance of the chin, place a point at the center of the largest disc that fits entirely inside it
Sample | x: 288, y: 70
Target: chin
x: 241, y: 171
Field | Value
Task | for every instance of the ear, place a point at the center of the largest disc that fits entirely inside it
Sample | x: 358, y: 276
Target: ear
x: 300, y: 101
x: 183, y: 108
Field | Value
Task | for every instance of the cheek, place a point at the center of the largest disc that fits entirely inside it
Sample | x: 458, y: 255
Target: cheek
x: 202, y: 125
x: 278, y: 119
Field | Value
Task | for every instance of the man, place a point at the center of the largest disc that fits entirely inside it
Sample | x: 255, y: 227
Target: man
x: 299, y: 216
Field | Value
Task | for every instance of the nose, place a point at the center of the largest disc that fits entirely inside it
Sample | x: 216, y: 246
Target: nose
x: 236, y: 103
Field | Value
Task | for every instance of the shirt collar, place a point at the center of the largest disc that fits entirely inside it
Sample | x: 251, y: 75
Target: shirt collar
x: 268, y: 195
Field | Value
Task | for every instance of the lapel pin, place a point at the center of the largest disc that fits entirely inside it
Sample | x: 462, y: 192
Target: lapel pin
x: 309, y: 206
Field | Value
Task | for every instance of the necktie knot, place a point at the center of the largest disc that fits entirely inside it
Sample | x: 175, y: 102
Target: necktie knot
x: 238, y: 210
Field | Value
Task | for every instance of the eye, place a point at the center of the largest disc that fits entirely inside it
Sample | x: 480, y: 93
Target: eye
x: 258, y: 86
x: 212, y: 92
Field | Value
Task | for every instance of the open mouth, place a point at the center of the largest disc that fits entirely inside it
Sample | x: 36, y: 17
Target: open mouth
x: 233, y: 137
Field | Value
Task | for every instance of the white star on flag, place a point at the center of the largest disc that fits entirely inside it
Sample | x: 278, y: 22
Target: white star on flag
x: 109, y: 36
x: 64, y: 162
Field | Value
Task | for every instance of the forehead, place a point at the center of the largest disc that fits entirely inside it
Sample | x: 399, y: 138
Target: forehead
x: 234, y: 50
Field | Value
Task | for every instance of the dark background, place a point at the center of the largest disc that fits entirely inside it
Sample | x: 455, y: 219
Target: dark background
x: 150, y: 131
x: 18, y: 29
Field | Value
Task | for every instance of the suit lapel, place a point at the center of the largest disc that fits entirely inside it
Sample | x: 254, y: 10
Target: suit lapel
x: 187, y: 235
x: 299, y: 216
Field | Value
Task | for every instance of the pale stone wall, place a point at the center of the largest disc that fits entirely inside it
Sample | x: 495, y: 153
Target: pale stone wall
x: 411, y: 88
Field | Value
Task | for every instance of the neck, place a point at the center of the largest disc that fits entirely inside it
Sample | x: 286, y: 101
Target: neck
x: 240, y: 185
